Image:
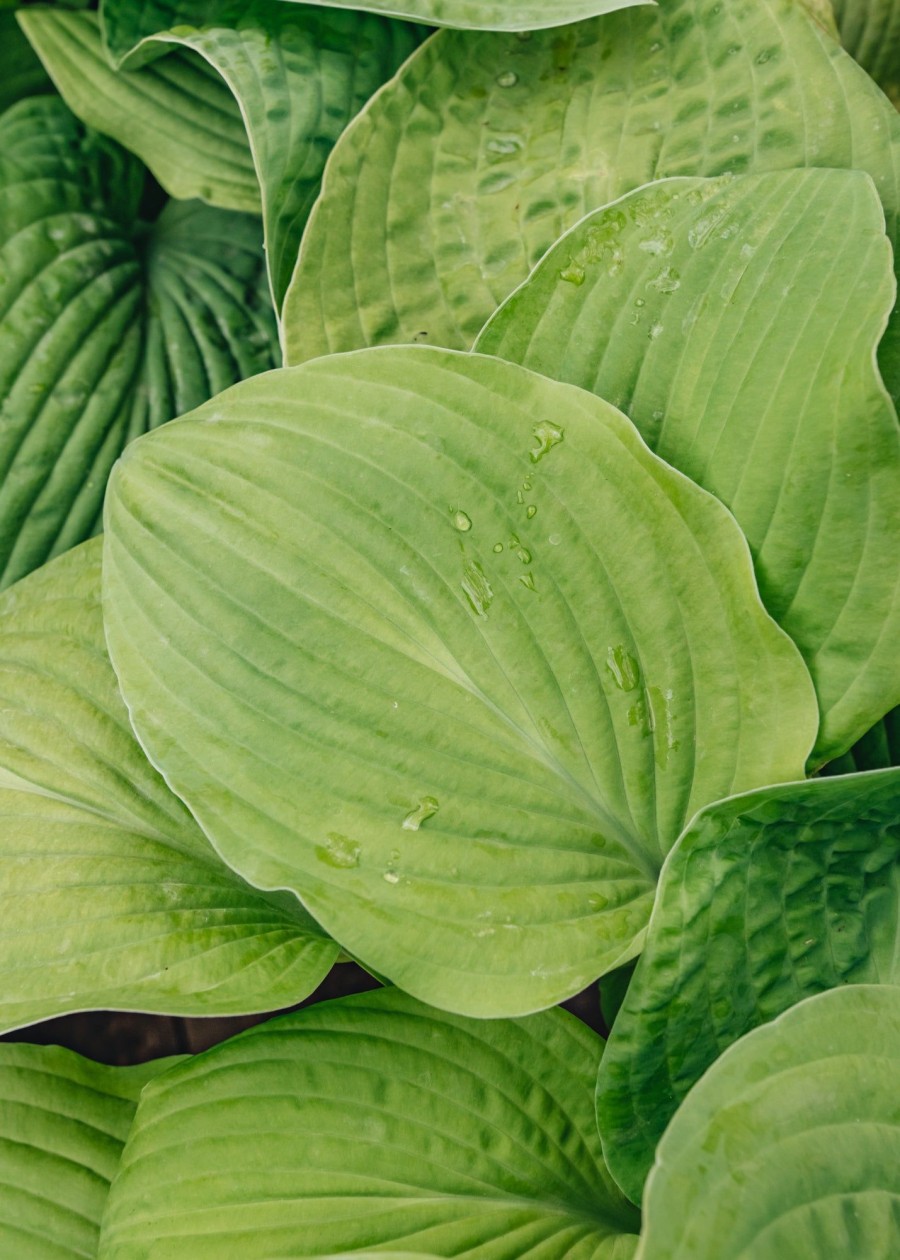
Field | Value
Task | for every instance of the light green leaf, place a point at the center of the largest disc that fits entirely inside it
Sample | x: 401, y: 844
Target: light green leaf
x: 110, y: 896
x: 487, y: 15
x: 108, y: 326
x: 465, y: 169
x: 294, y: 77
x: 870, y: 31
x: 440, y: 645
x: 63, y: 1123
x: 21, y: 74
x: 372, y: 1123
x: 878, y: 748
x: 736, y: 322
x: 767, y: 898
x: 789, y: 1145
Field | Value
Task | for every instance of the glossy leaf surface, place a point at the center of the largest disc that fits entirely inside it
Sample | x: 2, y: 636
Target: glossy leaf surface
x: 439, y: 644
x: 736, y: 322
x: 110, y: 896
x: 374, y: 1123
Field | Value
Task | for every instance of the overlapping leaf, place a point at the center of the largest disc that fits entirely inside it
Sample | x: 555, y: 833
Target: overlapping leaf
x: 485, y: 149
x: 736, y: 322
x: 790, y: 1145
x: 63, y: 1123
x: 111, y: 896
x: 108, y: 326
x: 870, y: 31
x: 439, y: 644
x: 292, y: 76
x: 374, y: 1123
x: 767, y: 899
x: 876, y: 750
x: 488, y: 15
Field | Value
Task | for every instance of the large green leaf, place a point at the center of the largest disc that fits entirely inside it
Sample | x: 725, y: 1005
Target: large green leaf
x: 766, y: 899
x: 177, y: 115
x: 870, y: 31
x: 297, y: 75
x: 439, y: 644
x: 458, y: 176
x: 63, y: 1123
x: 487, y: 15
x: 790, y: 1145
x: 108, y: 326
x: 374, y: 1123
x: 21, y: 74
x: 736, y: 322
x: 110, y: 895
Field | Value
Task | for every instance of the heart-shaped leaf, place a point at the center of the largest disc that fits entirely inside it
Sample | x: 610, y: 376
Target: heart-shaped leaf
x: 458, y: 176
x: 374, y: 1123
x: 736, y: 322
x: 293, y: 77
x: 110, y: 895
x: 789, y: 1145
x: 440, y: 645
x: 63, y: 1123
x: 767, y: 898
x: 108, y: 326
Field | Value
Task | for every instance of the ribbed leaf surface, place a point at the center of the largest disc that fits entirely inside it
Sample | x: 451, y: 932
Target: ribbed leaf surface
x: 736, y: 322
x: 485, y: 149
x: 876, y: 750
x: 63, y: 1123
x: 108, y: 326
x: 488, y: 15
x: 374, y: 1123
x: 110, y: 895
x: 439, y: 644
x: 790, y: 1145
x: 294, y: 77
x: 766, y: 899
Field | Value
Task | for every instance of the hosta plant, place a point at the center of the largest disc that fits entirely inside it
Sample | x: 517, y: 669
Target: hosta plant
x: 449, y: 509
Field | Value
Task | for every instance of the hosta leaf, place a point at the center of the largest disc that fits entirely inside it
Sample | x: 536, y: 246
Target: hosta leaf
x: 457, y: 177
x: 789, y: 1145
x: 298, y: 75
x: 63, y: 1123
x: 487, y: 15
x: 374, y: 1123
x: 876, y: 750
x: 110, y: 895
x: 440, y: 645
x: 870, y: 31
x: 108, y: 326
x: 767, y: 898
x: 21, y: 74
x: 177, y: 115
x: 736, y: 322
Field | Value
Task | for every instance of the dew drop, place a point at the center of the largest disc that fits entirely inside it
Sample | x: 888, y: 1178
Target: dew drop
x: 624, y: 668
x: 554, y: 540
x: 573, y: 274
x: 531, y: 511
x: 391, y: 877
x: 508, y: 78
x: 547, y: 436
x: 524, y: 555
x: 527, y: 580
x: 461, y: 520
x: 339, y: 851
x: 427, y: 807
x: 477, y: 588
x: 498, y: 547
